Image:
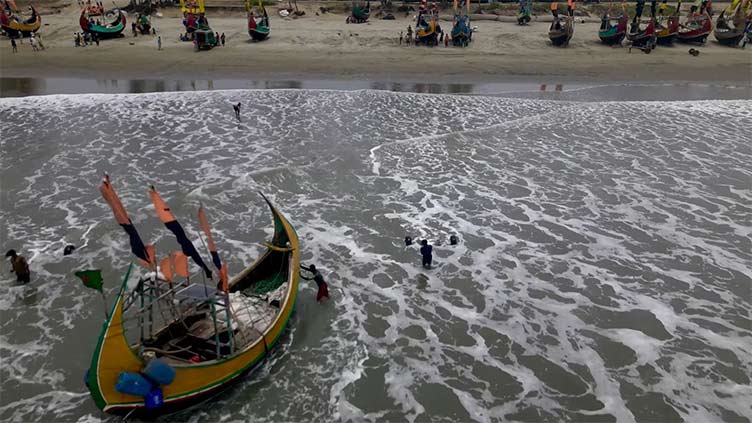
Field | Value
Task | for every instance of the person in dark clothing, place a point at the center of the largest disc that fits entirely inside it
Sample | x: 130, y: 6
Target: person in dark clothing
x: 20, y: 266
x: 427, y: 252
x: 13, y: 44
x: 319, y: 279
x: 222, y: 39
x: 236, y: 107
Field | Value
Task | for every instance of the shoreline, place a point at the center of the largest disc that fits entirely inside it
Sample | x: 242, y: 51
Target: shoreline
x: 326, y: 48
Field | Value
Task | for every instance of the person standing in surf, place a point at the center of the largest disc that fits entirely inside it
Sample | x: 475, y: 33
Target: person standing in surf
x: 20, y: 266
x: 427, y: 252
x: 236, y: 107
x: 319, y: 279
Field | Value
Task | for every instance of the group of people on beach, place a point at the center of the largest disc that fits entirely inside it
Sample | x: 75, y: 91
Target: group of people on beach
x: 83, y: 39
x: 35, y: 41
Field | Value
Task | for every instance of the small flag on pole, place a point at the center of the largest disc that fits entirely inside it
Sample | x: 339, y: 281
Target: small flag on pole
x: 91, y: 278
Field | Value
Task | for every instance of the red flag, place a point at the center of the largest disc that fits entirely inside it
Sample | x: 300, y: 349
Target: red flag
x: 204, y: 223
x: 180, y: 264
x: 166, y: 267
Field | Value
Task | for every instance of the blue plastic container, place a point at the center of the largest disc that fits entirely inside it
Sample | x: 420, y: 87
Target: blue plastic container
x: 132, y: 384
x: 159, y: 372
x: 154, y: 399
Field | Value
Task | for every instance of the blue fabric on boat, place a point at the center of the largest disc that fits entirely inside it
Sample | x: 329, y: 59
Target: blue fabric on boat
x: 154, y: 399
x: 159, y: 372
x: 132, y: 384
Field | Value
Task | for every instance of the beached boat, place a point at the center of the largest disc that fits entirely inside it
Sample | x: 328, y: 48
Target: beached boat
x: 258, y: 25
x: 105, y: 24
x: 462, y: 32
x: 613, y: 29
x: 193, y: 15
x: 642, y: 35
x: 359, y: 13
x: 143, y: 24
x: 427, y: 28
x: 524, y: 12
x: 204, y: 38
x: 666, y: 29
x: 731, y: 24
x: 696, y: 29
x: 15, y: 26
x: 562, y: 27
x: 171, y: 341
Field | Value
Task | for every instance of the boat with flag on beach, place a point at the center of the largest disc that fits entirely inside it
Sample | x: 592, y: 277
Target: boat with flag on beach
x: 732, y: 22
x: 524, y: 12
x: 667, y: 26
x: 427, y: 28
x: 562, y: 26
x: 642, y: 34
x: 95, y: 19
x: 258, y: 23
x: 194, y: 15
x: 696, y: 29
x: 173, y: 338
x: 613, y: 28
x: 462, y: 33
x: 360, y: 13
x: 14, y: 25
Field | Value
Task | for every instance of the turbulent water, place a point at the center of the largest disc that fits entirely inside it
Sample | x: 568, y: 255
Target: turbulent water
x: 602, y: 274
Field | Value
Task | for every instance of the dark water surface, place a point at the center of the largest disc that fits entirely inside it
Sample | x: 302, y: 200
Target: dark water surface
x: 602, y: 274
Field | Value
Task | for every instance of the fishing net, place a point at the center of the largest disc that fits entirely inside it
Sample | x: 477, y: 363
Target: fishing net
x: 267, y: 285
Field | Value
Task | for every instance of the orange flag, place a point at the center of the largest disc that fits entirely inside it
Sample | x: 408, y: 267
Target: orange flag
x: 121, y: 217
x: 204, y: 223
x: 166, y: 267
x: 180, y: 264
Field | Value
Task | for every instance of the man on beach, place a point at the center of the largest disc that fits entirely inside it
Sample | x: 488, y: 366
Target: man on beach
x: 159, y: 43
x: 13, y: 44
x: 222, y: 39
x: 427, y: 252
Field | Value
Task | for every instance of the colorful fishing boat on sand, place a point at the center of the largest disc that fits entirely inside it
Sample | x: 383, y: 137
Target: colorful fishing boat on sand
x: 642, y: 34
x: 613, y: 29
x: 462, y: 32
x: 173, y: 339
x: 193, y: 15
x: 695, y: 29
x: 427, y: 28
x: 732, y: 23
x: 562, y: 27
x: 258, y: 25
x: 667, y: 26
x: 105, y: 24
x: 524, y: 12
x: 15, y: 26
x: 360, y: 12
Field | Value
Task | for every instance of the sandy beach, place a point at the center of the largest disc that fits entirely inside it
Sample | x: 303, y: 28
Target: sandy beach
x: 324, y: 46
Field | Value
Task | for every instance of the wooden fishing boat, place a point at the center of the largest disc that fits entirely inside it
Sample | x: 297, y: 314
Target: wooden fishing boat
x: 258, y: 25
x: 696, y: 29
x: 427, y: 29
x: 193, y: 15
x: 643, y: 38
x: 204, y: 38
x: 524, y: 12
x: 729, y: 29
x: 111, y: 22
x: 202, y: 338
x: 561, y: 30
x: 360, y: 13
x: 613, y: 30
x: 462, y: 33
x: 666, y: 29
x: 14, y: 26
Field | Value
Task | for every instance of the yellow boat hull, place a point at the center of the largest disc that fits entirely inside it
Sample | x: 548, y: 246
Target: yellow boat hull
x: 193, y: 382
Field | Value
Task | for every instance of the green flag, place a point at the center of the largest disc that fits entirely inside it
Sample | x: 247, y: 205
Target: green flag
x: 91, y: 278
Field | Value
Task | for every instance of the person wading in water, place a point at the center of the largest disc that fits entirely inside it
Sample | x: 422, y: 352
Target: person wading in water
x: 427, y: 252
x: 319, y: 279
x: 20, y: 266
x: 236, y: 107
